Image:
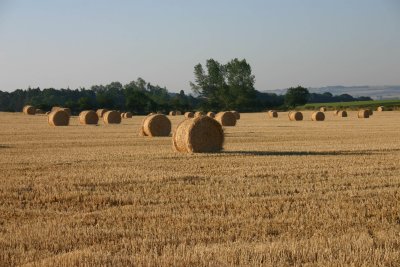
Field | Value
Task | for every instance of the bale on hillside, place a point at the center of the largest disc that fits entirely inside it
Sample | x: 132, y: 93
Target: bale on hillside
x: 198, y: 135
x: 295, y: 116
x: 211, y: 114
x: 58, y: 118
x: 237, y: 114
x: 128, y: 115
x: 156, y: 125
x: 363, y: 114
x: 322, y: 109
x: 380, y: 109
x: 198, y: 114
x: 88, y: 117
x: 189, y: 115
x: 342, y: 113
x: 172, y: 113
x: 226, y: 118
x: 112, y: 117
x: 273, y: 114
x: 318, y: 116
x: 100, y: 112
x: 29, y: 110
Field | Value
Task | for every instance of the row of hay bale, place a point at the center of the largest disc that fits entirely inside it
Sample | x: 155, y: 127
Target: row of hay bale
x: 320, y: 116
x: 379, y: 109
x: 60, y: 117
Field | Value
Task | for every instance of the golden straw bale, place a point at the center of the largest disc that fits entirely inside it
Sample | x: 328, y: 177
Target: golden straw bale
x: 112, y: 117
x: 211, y: 114
x: 342, y: 113
x: 363, y: 114
x: 273, y: 114
x: 237, y: 114
x: 322, y: 109
x: 380, y: 109
x: 29, y: 110
x: 128, y: 115
x: 58, y: 118
x: 100, y: 112
x: 226, y: 118
x: 155, y: 125
x: 296, y: 116
x: 122, y: 115
x: 189, y: 115
x: 336, y: 112
x: 172, y: 113
x: 198, y: 135
x: 318, y: 116
x: 88, y: 117
x: 198, y: 114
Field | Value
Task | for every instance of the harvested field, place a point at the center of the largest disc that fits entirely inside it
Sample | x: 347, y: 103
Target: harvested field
x: 281, y: 193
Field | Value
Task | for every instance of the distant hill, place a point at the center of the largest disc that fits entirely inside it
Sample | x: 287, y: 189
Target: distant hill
x: 375, y: 92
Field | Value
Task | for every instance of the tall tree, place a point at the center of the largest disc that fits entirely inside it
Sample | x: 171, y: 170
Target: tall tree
x: 296, y: 96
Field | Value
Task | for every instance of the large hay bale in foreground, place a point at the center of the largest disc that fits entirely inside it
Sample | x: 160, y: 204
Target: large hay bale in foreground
x: 295, y: 116
x: 318, y: 116
x: 237, y: 114
x: 156, y: 125
x: 100, y: 112
x: 29, y: 110
x: 198, y: 135
x: 322, y: 109
x: 342, y: 113
x: 88, y: 117
x: 273, y: 114
x: 380, y: 109
x: 198, y: 114
x: 189, y: 115
x: 226, y: 118
x: 172, y: 113
x: 363, y: 114
x: 58, y: 118
x: 211, y: 114
x: 112, y: 117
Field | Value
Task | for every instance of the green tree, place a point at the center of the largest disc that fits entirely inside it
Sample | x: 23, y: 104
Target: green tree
x: 296, y: 96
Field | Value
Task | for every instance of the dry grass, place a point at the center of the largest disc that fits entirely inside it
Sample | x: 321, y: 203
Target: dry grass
x: 282, y: 193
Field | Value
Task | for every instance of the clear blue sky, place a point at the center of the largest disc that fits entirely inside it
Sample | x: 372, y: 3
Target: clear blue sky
x: 55, y: 43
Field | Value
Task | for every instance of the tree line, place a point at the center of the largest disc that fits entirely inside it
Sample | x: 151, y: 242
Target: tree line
x: 215, y: 87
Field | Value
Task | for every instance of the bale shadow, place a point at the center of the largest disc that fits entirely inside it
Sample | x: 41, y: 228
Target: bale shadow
x: 296, y: 153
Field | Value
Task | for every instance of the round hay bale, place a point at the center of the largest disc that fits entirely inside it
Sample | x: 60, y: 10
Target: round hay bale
x: 88, y: 117
x: 295, y: 116
x: 198, y: 114
x: 156, y: 125
x: 363, y: 114
x: 322, y: 109
x: 318, y: 116
x: 336, y: 112
x: 237, y: 114
x: 67, y: 110
x: 342, y: 113
x: 273, y: 114
x: 178, y: 113
x: 29, y: 110
x: 226, y: 118
x: 112, y: 117
x: 289, y: 114
x: 198, y: 135
x: 100, y: 112
x: 380, y: 109
x: 128, y: 115
x: 58, y: 118
x: 211, y: 114
x: 172, y: 113
x: 189, y: 115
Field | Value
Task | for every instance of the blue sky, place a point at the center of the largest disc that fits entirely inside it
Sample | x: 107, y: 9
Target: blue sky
x: 55, y: 43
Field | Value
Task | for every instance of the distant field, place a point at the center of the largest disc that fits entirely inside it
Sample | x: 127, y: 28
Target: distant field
x: 281, y: 193
x: 355, y: 104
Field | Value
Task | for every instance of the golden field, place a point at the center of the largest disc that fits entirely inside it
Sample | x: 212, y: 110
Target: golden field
x: 281, y: 193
